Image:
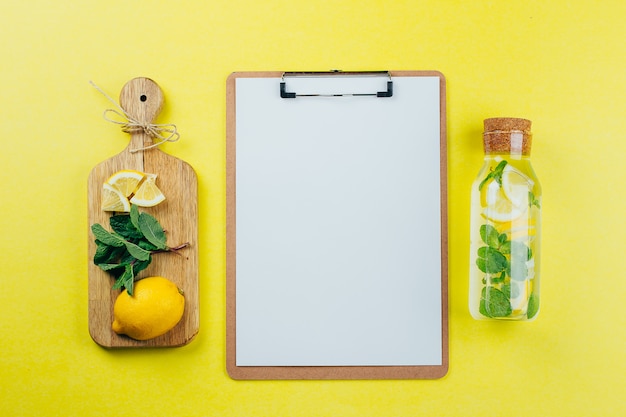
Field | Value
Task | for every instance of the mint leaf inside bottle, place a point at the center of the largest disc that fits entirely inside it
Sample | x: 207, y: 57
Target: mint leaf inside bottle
x: 494, y: 303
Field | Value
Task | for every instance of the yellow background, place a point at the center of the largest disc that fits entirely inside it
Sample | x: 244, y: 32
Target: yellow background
x: 559, y: 63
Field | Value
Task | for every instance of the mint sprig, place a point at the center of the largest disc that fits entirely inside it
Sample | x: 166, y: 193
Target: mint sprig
x: 128, y: 248
x: 495, y: 174
x: 503, y: 261
x: 502, y: 255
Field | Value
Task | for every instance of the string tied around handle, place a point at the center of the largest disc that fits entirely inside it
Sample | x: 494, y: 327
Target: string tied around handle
x: 161, y: 132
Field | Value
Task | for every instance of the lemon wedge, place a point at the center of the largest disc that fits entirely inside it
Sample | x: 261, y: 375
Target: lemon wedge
x: 148, y: 194
x: 516, y: 186
x: 130, y: 186
x: 126, y: 181
x: 113, y: 199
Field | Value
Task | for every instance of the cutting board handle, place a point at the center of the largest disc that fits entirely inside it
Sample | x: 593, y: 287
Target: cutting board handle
x: 142, y: 99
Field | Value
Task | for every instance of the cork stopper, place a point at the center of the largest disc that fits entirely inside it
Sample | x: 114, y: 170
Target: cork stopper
x: 507, y: 135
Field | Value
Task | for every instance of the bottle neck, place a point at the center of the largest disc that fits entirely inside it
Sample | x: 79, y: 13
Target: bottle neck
x: 508, y: 156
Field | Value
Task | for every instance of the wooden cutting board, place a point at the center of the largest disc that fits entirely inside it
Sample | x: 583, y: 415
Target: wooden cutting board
x: 142, y: 99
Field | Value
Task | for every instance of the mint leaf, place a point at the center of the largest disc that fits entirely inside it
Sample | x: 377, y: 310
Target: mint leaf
x: 106, y: 253
x: 532, y: 200
x: 506, y: 290
x: 518, y: 250
x: 129, y: 284
x: 144, y: 244
x: 139, y: 266
x: 108, y: 267
x: 511, y: 289
x: 482, y: 309
x: 134, y: 216
x: 506, y: 248
x: 121, y: 280
x: 112, y: 239
x: 485, y: 181
x: 123, y: 226
x: 119, y: 284
x: 126, y: 280
x: 137, y: 252
x: 494, y: 303
x: 533, y: 306
x: 106, y: 237
x: 490, y: 235
x: 497, y: 172
x: 152, y: 230
x: 491, y: 261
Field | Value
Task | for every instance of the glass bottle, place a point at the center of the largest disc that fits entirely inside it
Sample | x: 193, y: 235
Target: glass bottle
x: 505, y: 226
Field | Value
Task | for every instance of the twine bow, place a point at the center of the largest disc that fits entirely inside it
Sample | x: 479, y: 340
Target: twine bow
x: 162, y: 132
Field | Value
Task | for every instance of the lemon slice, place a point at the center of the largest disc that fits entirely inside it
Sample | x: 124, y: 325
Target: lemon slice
x: 489, y: 193
x: 522, y: 228
x: 113, y: 199
x: 126, y: 181
x: 520, y: 302
x: 148, y: 194
x: 516, y: 186
x: 502, y: 209
x: 523, y: 233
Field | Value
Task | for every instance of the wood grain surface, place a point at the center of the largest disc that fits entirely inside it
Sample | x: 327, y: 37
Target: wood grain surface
x: 142, y: 99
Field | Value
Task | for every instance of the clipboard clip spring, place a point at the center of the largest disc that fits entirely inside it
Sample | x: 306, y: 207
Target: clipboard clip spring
x: 288, y: 94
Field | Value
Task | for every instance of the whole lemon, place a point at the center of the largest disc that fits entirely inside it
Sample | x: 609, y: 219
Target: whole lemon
x: 155, y: 307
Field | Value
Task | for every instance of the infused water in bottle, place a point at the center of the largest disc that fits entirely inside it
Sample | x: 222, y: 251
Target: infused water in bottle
x: 505, y: 230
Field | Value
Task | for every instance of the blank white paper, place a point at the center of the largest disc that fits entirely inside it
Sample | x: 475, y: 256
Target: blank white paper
x: 338, y: 223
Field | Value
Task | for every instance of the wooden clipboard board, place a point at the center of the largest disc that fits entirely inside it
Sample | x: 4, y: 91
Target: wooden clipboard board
x: 336, y: 225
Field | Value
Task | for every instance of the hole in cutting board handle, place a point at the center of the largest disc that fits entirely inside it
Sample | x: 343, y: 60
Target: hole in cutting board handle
x: 142, y: 99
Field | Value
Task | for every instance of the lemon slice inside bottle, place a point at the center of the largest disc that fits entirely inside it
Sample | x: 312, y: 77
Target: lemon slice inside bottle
x: 522, y: 228
x: 113, y: 199
x: 148, y: 194
x: 489, y: 193
x: 502, y: 209
x: 516, y: 186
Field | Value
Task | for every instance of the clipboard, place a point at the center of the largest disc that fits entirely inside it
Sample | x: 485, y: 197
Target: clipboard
x: 336, y: 225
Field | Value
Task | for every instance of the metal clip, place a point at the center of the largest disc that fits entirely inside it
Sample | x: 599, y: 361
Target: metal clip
x: 287, y: 94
